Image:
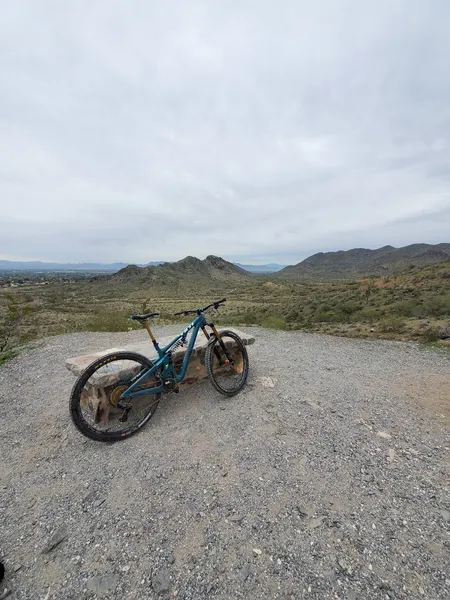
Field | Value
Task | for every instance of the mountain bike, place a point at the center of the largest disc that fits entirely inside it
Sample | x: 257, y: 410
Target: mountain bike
x: 119, y: 393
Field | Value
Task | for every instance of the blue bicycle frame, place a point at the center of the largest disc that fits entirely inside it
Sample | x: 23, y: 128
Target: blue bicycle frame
x: 164, y: 362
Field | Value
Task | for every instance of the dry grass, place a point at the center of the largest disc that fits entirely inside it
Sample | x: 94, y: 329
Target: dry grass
x: 412, y: 305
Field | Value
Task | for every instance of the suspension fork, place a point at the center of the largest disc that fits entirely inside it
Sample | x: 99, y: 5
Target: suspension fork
x: 228, y: 359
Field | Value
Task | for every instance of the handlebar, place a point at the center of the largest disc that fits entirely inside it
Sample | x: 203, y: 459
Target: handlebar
x: 198, y: 311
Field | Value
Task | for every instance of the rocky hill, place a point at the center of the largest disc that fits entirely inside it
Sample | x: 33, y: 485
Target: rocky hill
x: 189, y: 268
x: 361, y: 262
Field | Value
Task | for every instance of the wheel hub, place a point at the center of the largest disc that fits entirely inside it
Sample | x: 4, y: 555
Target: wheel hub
x: 114, y: 396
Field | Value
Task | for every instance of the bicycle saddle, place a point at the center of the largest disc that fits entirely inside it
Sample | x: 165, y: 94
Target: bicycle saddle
x: 143, y: 317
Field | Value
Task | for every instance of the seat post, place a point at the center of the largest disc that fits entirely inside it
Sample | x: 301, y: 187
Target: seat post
x: 149, y: 331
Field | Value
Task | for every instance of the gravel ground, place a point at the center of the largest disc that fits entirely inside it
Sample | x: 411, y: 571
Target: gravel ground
x: 327, y: 477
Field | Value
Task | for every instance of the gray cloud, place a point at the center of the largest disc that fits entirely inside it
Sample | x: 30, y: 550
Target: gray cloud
x: 258, y: 131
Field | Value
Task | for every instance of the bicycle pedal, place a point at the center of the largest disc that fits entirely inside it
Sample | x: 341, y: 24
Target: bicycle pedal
x: 176, y: 390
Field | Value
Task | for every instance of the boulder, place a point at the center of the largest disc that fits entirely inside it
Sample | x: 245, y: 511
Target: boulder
x: 444, y: 332
x: 196, y: 369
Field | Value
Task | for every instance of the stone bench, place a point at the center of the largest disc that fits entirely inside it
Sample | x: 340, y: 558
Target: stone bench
x: 195, y: 372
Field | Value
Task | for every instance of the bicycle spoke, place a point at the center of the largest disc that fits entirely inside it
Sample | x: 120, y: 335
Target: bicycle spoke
x: 98, y: 409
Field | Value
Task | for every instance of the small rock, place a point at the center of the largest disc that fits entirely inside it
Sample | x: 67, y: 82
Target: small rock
x: 257, y: 551
x: 161, y: 581
x: 345, y: 567
x: 17, y: 567
x: 99, y: 502
x: 445, y: 514
x: 126, y: 568
x: 89, y: 497
x: 191, y: 563
x: 391, y: 455
x: 59, y: 535
x: 170, y: 558
x: 314, y: 523
x: 312, y: 404
x: 5, y: 594
x: 266, y: 382
x: 236, y: 518
x: 245, y: 572
x: 384, y: 435
x: 330, y: 575
x: 102, y: 585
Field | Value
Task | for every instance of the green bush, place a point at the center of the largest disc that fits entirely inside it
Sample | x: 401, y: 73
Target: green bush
x: 438, y: 307
x: 431, y: 334
x: 274, y: 323
x: 249, y: 317
x: 12, y: 315
x: 408, y: 308
x: 392, y: 325
x: 350, y: 307
x: 370, y: 314
x: 330, y: 317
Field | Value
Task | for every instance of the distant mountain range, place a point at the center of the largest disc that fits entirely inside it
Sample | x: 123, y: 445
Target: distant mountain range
x: 324, y: 266
x: 189, y: 268
x: 361, y: 262
x: 270, y: 268
x: 12, y: 265
x: 9, y: 265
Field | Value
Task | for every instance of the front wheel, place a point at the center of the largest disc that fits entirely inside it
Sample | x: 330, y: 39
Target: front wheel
x: 95, y: 405
x: 226, y: 362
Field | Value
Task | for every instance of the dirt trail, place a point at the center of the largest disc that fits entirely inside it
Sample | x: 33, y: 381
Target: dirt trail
x: 328, y: 477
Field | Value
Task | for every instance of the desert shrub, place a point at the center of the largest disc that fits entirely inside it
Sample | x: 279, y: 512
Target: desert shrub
x: 431, y: 334
x: 408, y: 308
x: 326, y: 308
x: 438, y: 306
x: 249, y: 317
x: 12, y: 315
x: 370, y: 314
x: 329, y: 317
x: 294, y: 315
x: 274, y: 323
x: 7, y: 355
x: 392, y: 325
x: 350, y: 307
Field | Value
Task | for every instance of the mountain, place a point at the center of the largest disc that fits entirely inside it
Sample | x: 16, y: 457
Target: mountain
x: 37, y: 266
x: 361, y: 262
x: 270, y: 268
x: 213, y: 267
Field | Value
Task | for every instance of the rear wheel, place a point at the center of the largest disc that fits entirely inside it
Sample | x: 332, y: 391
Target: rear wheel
x: 95, y: 397
x: 227, y: 370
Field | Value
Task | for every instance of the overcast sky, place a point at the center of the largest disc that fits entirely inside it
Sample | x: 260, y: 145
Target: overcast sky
x: 255, y: 130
